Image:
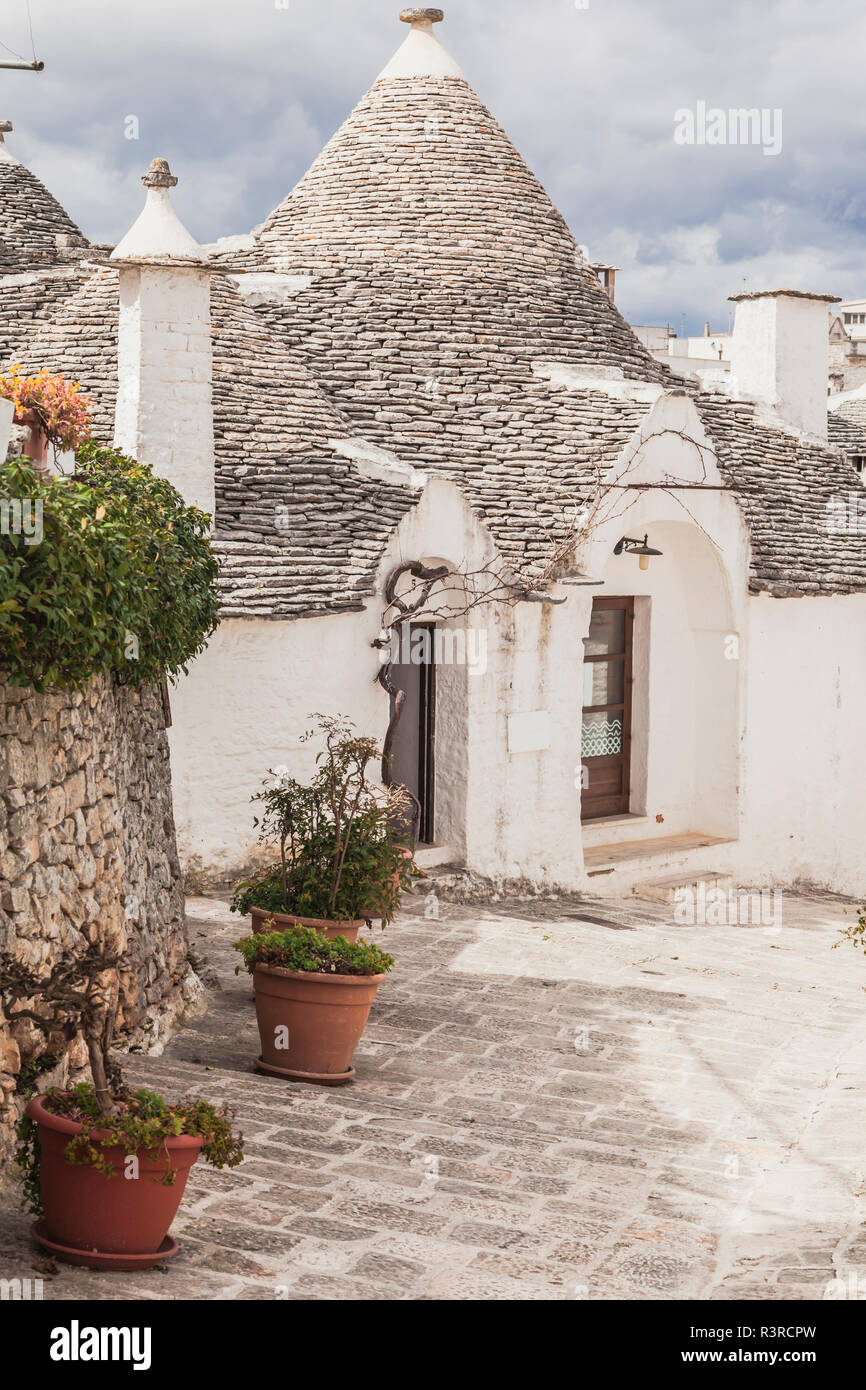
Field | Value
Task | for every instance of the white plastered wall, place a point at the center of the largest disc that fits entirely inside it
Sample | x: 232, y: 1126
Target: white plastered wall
x: 751, y: 705
x: 241, y: 711
x: 805, y: 754
x: 248, y: 698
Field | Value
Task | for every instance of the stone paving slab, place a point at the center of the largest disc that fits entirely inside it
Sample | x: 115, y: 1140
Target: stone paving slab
x: 545, y: 1108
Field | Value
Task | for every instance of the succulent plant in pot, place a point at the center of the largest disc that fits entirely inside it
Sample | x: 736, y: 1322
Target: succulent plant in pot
x: 104, y: 1165
x: 341, y: 840
x: 313, y: 998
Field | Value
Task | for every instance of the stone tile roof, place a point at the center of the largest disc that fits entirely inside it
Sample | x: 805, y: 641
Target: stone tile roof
x: 847, y: 426
x: 420, y: 223
x: 437, y: 277
x: 40, y: 250
x: 26, y: 298
x: 77, y: 337
x: 787, y: 485
x: 35, y: 231
x: 424, y: 277
x: 299, y: 530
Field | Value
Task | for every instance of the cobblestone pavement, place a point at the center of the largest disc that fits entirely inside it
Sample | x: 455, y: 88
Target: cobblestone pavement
x: 556, y: 1100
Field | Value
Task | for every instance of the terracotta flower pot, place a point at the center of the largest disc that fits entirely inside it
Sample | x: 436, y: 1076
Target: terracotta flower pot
x: 107, y: 1223
x: 36, y: 445
x: 283, y: 920
x: 310, y: 1024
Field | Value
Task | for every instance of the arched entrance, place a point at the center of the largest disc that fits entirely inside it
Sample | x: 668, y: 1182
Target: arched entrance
x: 666, y: 746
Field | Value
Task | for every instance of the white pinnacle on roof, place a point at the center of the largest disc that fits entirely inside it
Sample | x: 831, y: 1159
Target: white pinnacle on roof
x: 5, y: 156
x: 158, y: 234
x: 422, y: 55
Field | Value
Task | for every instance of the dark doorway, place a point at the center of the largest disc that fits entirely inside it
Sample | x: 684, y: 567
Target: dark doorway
x: 607, y: 688
x: 412, y: 763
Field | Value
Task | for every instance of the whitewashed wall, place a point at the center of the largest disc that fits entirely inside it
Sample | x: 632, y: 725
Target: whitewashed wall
x: 805, y: 753
x: 750, y: 707
x: 241, y: 711
x: 248, y: 697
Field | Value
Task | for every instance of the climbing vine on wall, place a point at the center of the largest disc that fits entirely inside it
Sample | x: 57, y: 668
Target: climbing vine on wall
x: 107, y: 570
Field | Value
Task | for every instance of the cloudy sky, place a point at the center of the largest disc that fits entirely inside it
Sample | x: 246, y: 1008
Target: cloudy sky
x: 240, y: 95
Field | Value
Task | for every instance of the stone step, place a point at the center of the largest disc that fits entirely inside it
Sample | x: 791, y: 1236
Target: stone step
x: 435, y: 856
x: 618, y: 868
x: 664, y: 890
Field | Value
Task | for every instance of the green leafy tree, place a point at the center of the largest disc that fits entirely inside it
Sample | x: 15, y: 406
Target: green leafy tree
x: 122, y: 580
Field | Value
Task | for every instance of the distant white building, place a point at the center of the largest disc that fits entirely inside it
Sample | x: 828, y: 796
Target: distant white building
x: 707, y: 356
x: 852, y: 312
x: 848, y: 346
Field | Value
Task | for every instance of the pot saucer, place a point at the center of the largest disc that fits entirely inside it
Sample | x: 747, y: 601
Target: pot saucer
x: 313, y: 1078
x: 99, y: 1259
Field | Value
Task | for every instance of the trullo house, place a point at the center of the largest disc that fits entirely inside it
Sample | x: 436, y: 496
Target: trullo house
x: 636, y: 608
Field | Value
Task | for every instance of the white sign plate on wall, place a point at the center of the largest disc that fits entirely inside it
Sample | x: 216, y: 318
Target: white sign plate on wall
x: 529, y: 733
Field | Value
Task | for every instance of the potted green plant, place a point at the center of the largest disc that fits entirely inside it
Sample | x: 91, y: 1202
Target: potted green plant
x: 343, y: 859
x: 104, y: 1166
x: 313, y: 998
x: 55, y: 411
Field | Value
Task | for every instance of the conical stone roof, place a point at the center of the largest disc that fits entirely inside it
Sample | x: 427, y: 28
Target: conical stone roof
x: 35, y: 231
x: 422, y: 271
x: 420, y: 218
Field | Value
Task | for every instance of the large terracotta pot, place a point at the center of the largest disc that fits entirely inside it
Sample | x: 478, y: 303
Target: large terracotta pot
x: 319, y: 1017
x: 36, y: 445
x: 107, y: 1223
x: 283, y: 920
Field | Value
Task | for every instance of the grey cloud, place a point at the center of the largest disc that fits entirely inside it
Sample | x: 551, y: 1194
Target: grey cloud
x: 240, y: 95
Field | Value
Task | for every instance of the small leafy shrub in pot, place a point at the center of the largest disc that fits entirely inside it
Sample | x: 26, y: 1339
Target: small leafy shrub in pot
x: 104, y: 1166
x: 339, y: 838
x: 143, y: 1122
x: 54, y: 405
x: 302, y: 948
x: 299, y: 977
x: 855, y: 932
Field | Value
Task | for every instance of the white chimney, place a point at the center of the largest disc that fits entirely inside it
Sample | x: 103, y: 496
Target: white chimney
x: 421, y: 55
x: 164, y: 412
x: 780, y: 354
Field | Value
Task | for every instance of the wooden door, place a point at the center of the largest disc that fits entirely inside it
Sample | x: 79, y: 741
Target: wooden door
x: 606, y: 726
x: 412, y: 763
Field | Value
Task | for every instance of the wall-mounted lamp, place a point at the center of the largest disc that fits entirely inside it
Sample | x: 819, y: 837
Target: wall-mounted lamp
x: 633, y: 547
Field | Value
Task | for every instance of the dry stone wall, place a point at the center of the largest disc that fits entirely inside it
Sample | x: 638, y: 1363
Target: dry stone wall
x: 87, y: 853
